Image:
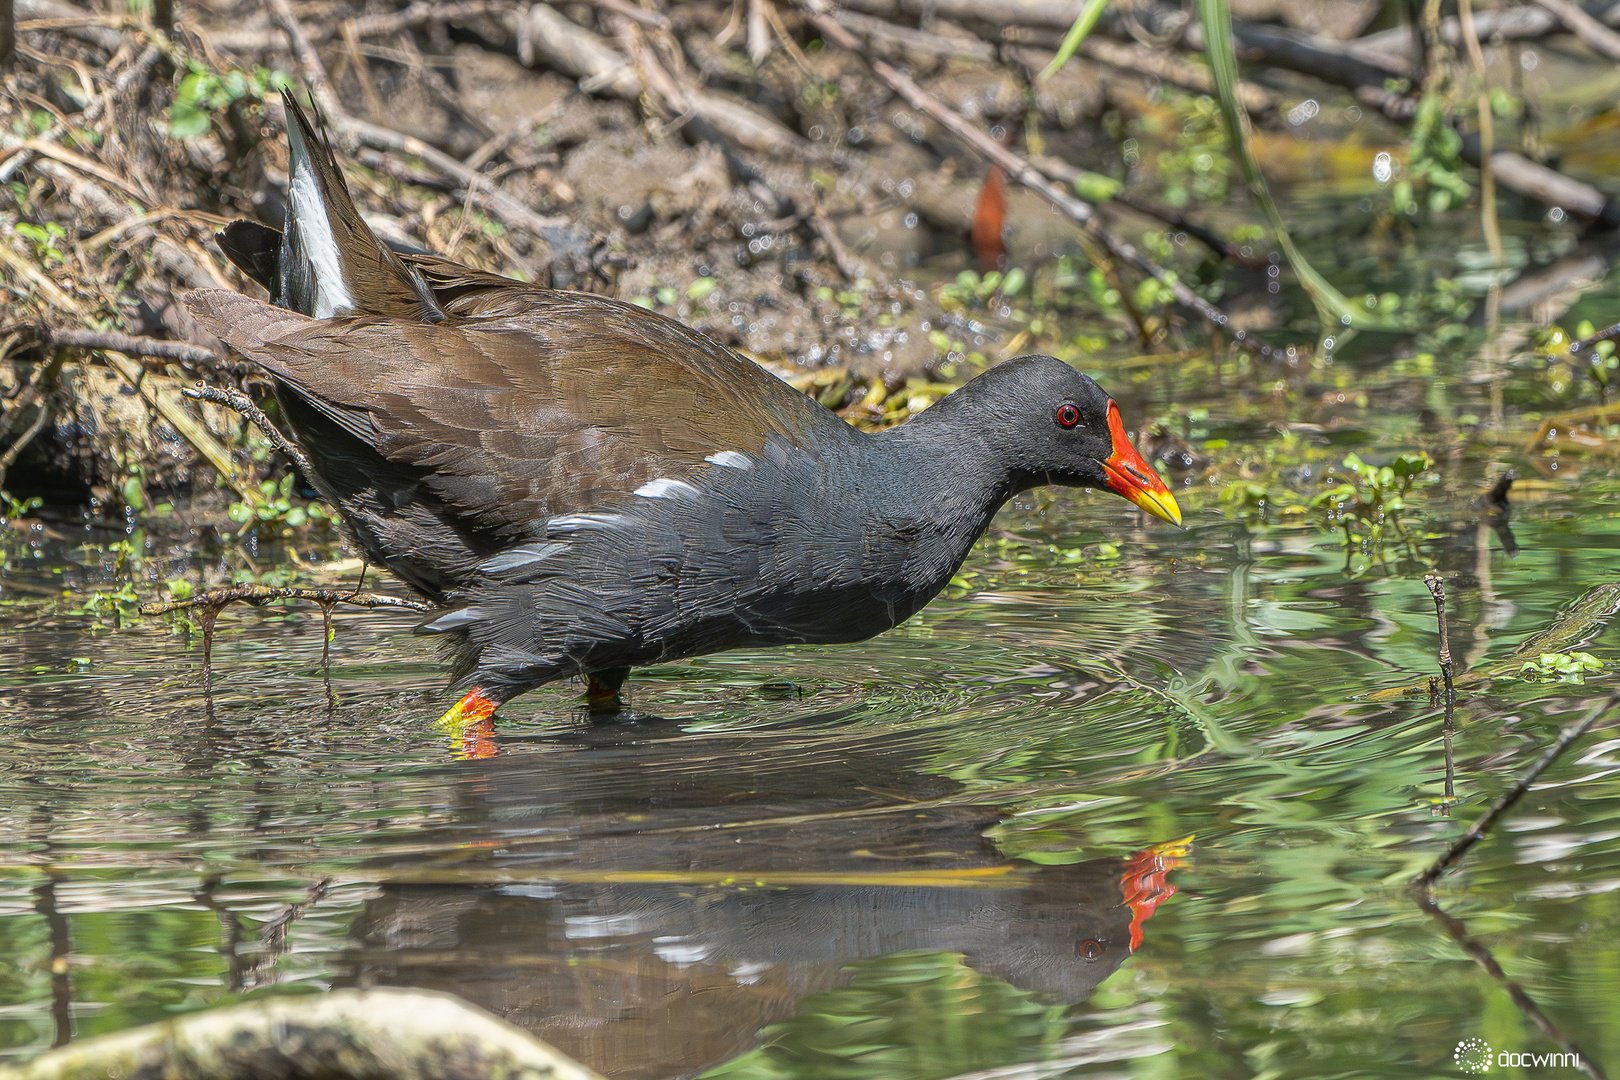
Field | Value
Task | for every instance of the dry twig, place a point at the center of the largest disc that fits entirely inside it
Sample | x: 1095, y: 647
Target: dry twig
x: 848, y: 265
x: 128, y: 84
x: 422, y: 12
x: 135, y: 346
x: 630, y: 11
x: 1596, y: 36
x: 509, y: 210
x: 1016, y: 167
x: 543, y: 33
x: 161, y: 398
x: 259, y: 594
x: 239, y: 402
x: 31, y: 395
x: 1437, y: 589
x: 1131, y: 56
x: 881, y: 32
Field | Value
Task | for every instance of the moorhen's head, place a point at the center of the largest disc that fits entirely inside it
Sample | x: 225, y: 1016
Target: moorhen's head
x: 1053, y: 425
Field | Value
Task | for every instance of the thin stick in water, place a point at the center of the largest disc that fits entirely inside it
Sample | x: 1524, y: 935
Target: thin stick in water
x: 1423, y: 887
x: 1568, y: 735
x: 1437, y: 589
x: 1483, y: 957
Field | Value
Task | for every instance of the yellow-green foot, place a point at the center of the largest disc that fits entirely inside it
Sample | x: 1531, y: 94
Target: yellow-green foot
x: 470, y: 721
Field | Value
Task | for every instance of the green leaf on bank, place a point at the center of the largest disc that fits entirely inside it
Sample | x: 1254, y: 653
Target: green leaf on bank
x: 203, y: 93
x: 1332, y: 307
x: 1083, y: 25
x: 1096, y: 188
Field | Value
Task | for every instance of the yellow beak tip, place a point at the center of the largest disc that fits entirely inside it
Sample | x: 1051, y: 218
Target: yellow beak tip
x: 1162, y: 506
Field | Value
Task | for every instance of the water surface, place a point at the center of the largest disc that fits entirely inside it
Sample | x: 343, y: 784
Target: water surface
x: 1118, y: 804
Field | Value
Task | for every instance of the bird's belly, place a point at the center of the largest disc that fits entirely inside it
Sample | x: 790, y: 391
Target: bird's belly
x: 831, y: 614
x: 816, y: 581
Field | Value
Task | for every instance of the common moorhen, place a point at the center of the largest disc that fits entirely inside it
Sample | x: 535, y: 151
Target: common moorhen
x: 589, y: 486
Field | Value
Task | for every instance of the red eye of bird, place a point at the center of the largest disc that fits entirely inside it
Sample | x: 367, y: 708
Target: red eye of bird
x: 1068, y: 415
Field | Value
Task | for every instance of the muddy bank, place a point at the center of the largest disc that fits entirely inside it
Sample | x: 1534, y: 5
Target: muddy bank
x: 777, y: 186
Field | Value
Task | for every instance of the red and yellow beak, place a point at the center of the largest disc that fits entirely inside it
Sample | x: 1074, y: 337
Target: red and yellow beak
x: 1132, y: 478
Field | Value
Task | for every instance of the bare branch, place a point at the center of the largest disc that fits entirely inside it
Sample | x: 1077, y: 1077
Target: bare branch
x: 135, y: 346
x: 1016, y: 167
x: 239, y: 402
x: 259, y: 594
x: 1482, y: 956
x: 1596, y: 36
x: 1565, y: 737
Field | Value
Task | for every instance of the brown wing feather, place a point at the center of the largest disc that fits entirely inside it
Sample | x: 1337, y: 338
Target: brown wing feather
x: 526, y: 404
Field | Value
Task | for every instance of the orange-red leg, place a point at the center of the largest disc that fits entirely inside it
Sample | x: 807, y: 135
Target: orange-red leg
x: 473, y: 707
x: 471, y: 722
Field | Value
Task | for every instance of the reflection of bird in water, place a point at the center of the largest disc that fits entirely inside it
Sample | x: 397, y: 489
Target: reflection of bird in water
x: 650, y: 908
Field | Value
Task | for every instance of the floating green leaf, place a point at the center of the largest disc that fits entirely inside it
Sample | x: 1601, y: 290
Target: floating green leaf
x: 1570, y: 667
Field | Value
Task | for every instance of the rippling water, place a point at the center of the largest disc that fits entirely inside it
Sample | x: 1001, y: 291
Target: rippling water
x: 1088, y: 814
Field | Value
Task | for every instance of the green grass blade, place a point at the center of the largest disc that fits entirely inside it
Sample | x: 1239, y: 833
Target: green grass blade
x: 1071, y: 41
x: 1332, y: 307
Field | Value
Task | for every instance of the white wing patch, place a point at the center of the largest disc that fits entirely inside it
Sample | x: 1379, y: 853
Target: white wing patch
x: 730, y: 459
x: 520, y: 556
x: 572, y: 523
x: 664, y: 488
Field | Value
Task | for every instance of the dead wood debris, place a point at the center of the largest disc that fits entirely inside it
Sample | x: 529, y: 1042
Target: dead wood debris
x: 768, y: 172
x: 207, y: 605
x: 406, y: 1034
x: 1015, y: 166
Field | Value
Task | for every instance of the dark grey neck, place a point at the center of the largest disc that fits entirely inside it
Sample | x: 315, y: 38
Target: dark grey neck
x: 946, y: 481
x: 948, y: 449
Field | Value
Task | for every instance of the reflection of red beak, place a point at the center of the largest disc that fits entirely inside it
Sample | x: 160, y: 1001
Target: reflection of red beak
x: 1143, y: 882
x: 1132, y: 478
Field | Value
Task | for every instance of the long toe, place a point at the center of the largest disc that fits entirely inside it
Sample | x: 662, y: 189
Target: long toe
x: 474, y: 708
